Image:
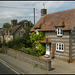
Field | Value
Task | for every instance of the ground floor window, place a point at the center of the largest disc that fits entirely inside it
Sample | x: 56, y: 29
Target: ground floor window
x: 59, y: 46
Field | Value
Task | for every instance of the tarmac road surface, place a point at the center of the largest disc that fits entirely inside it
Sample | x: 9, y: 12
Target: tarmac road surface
x: 20, y: 67
x: 5, y: 70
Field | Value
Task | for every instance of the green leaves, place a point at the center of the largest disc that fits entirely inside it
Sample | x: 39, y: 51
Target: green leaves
x: 41, y: 48
x: 6, y: 25
x: 35, y: 39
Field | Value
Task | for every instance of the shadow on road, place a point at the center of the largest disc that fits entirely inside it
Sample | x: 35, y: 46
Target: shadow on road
x: 52, y: 69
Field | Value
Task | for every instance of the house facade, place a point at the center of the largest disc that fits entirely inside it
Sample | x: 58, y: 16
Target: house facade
x: 59, y: 29
x: 15, y: 31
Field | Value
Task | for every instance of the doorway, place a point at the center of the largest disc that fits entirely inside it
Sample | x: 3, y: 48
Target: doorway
x: 48, y: 49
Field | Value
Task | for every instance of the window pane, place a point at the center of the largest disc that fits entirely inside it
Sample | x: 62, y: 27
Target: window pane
x: 58, y: 32
x: 59, y: 46
x: 58, y: 29
x: 62, y: 46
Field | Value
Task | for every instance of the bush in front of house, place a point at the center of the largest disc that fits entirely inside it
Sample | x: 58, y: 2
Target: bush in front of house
x: 18, y: 46
x: 41, y: 49
x: 35, y: 39
x: 30, y: 51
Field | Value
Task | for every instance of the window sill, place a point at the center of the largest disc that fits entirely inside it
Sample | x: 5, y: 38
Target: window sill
x: 59, y: 35
x: 59, y: 51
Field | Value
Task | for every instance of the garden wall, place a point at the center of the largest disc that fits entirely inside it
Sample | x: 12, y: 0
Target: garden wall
x: 42, y: 63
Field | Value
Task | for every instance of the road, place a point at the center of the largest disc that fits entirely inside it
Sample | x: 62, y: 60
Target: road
x: 5, y: 70
x: 17, y: 66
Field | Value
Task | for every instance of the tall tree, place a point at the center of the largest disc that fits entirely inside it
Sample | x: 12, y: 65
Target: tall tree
x: 6, y: 25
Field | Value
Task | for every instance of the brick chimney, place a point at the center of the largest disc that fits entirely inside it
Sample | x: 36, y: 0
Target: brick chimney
x: 43, y: 11
x: 14, y: 22
x: 25, y: 23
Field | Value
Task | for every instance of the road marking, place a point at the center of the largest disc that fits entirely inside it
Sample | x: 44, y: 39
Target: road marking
x: 11, y: 67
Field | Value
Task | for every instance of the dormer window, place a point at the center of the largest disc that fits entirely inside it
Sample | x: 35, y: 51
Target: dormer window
x: 59, y: 31
x: 36, y: 31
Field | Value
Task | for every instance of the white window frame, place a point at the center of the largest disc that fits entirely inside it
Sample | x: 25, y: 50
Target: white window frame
x: 61, y: 45
x: 59, y: 31
x: 36, y: 31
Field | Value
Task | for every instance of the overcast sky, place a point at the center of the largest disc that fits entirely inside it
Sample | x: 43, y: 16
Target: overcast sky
x: 22, y: 10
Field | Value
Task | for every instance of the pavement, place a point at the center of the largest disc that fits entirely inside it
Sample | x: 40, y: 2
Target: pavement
x: 21, y: 67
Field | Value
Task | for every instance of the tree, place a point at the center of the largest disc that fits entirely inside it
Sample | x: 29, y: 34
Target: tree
x: 23, y: 40
x: 30, y: 24
x: 6, y: 25
x: 35, y: 39
x: 21, y: 23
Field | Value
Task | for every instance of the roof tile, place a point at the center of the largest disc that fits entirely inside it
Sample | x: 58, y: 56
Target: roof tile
x: 49, y: 21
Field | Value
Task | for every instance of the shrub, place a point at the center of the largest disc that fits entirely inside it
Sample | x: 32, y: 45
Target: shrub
x: 4, y: 43
x: 18, y: 47
x: 35, y: 39
x: 41, y: 49
x: 30, y: 51
x: 27, y: 50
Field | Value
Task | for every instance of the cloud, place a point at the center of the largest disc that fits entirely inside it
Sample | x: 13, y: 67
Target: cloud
x: 25, y: 10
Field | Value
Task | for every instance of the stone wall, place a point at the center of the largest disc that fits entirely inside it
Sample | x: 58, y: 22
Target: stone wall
x: 42, y: 63
x: 63, y: 39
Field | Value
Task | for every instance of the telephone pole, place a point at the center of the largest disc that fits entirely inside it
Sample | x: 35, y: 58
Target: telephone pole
x: 34, y: 15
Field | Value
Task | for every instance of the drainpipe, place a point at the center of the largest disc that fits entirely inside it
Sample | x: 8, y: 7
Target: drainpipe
x: 70, y: 46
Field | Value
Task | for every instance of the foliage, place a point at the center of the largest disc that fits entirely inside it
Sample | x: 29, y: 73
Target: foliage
x: 18, y: 47
x: 27, y: 42
x: 6, y: 25
x: 25, y: 45
x: 23, y: 41
x: 4, y: 43
x: 41, y: 49
x: 35, y: 39
x: 21, y: 23
x: 30, y: 51
x: 35, y: 65
x: 30, y: 24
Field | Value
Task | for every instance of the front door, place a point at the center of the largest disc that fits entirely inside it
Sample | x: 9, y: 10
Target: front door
x: 47, y: 49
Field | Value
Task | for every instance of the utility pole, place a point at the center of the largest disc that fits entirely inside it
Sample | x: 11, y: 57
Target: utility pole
x: 34, y: 15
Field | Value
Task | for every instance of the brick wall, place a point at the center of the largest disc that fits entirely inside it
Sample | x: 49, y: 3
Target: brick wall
x: 73, y: 45
x: 64, y: 39
x: 42, y: 63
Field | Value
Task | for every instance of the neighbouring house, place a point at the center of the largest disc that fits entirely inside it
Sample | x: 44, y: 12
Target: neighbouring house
x: 9, y: 34
x: 59, y: 29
